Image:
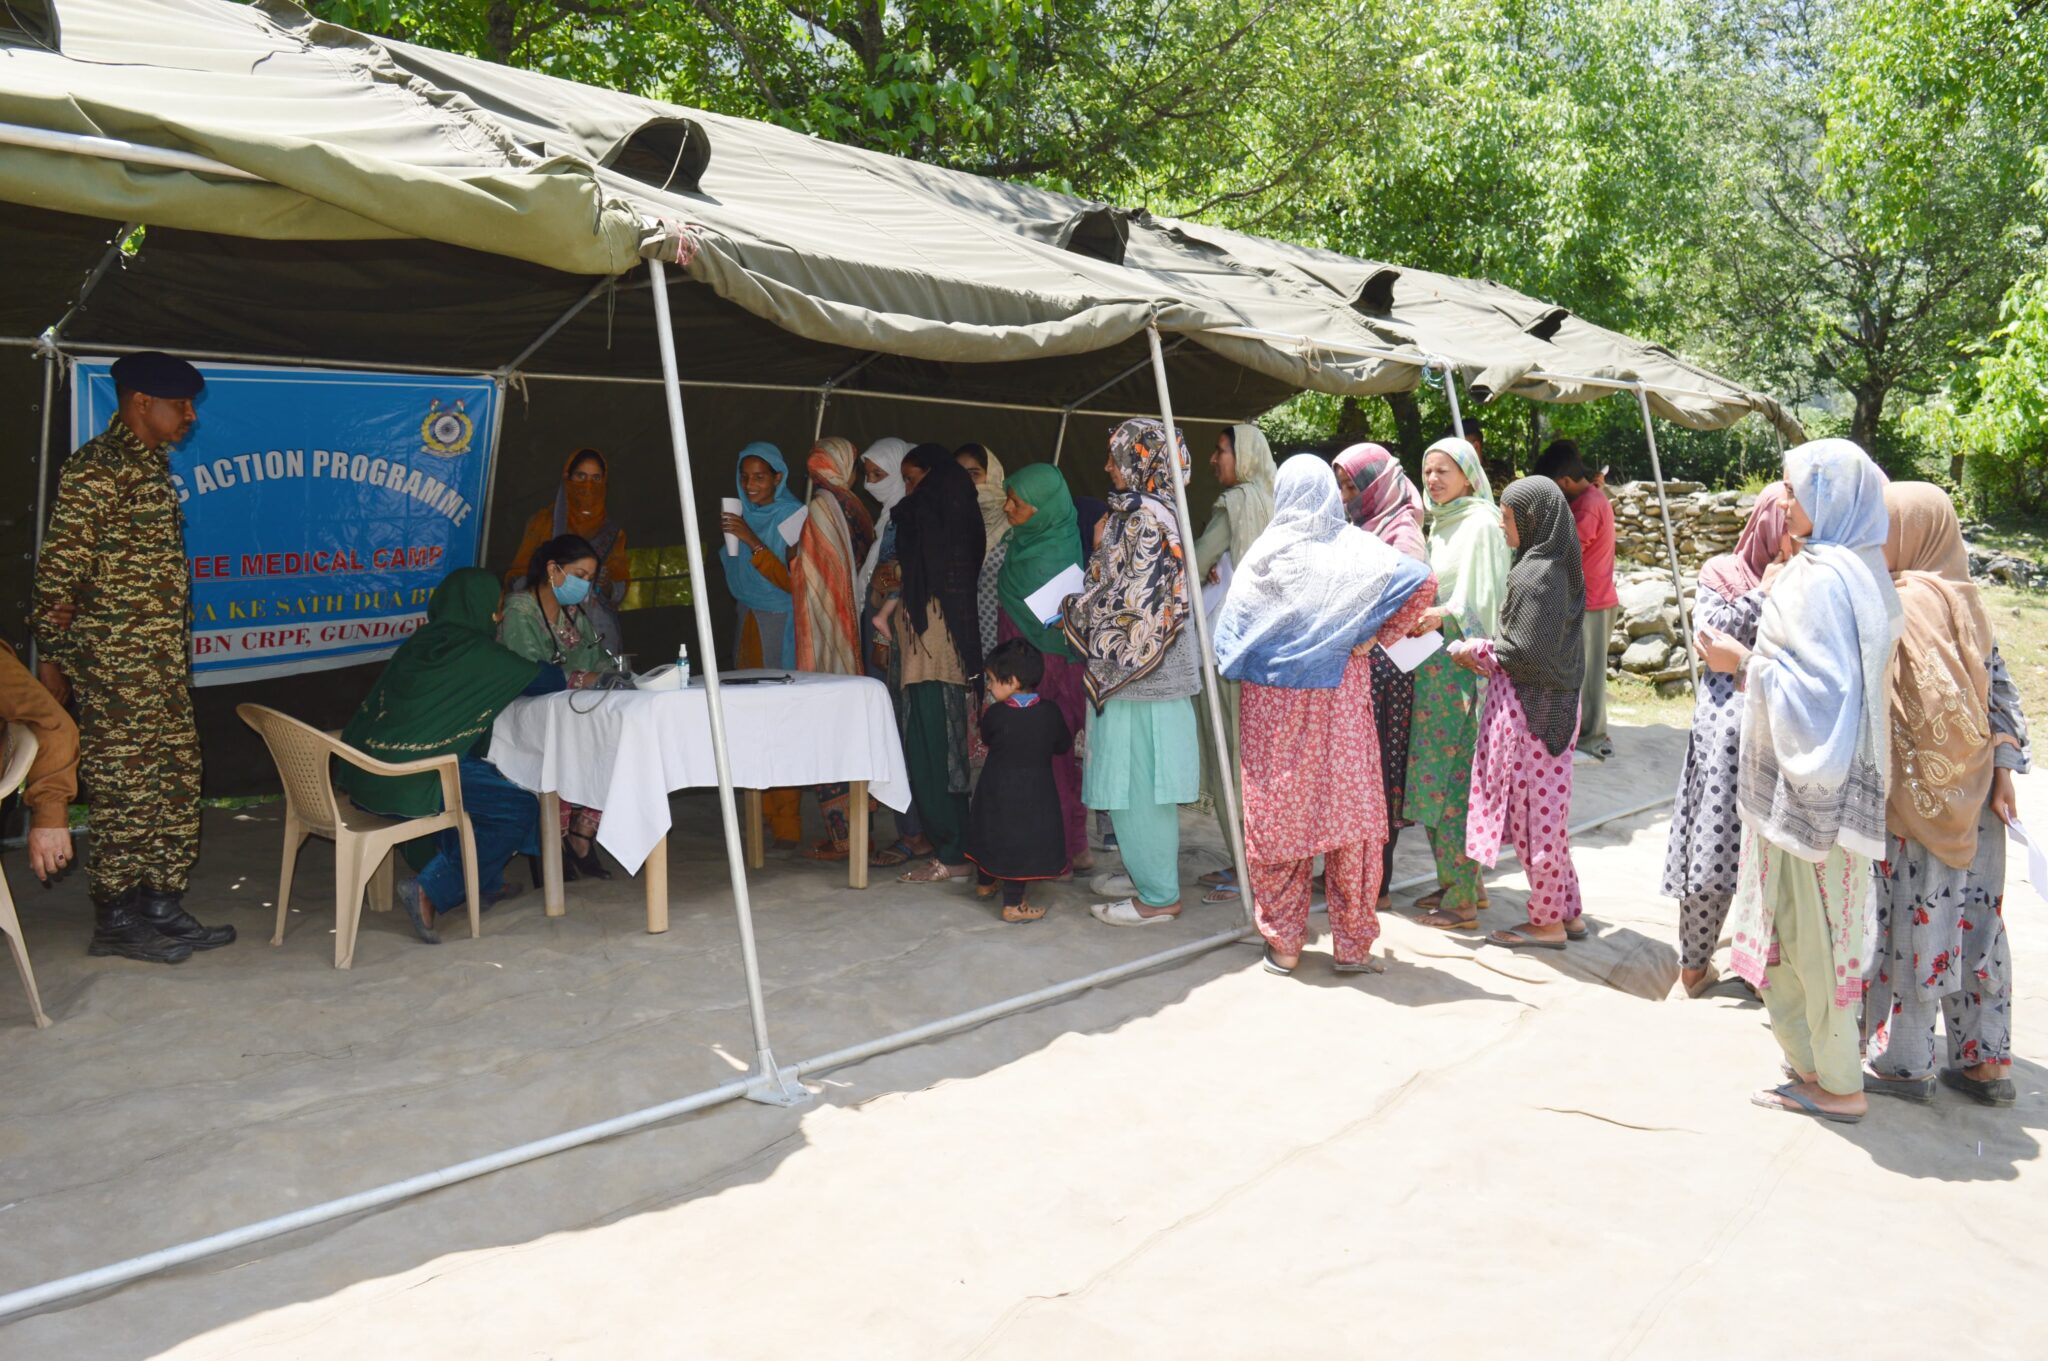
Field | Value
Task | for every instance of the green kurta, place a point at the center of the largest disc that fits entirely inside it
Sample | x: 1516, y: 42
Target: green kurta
x: 1441, y: 736
x: 525, y: 630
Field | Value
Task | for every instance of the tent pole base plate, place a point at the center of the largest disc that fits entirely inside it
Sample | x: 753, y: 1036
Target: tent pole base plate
x: 774, y: 1086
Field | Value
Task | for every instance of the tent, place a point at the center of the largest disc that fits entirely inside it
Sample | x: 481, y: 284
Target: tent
x: 310, y: 194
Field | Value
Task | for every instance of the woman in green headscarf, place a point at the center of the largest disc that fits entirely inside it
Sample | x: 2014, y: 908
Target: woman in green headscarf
x: 1243, y: 463
x: 1469, y: 555
x: 1044, y: 541
x: 438, y: 696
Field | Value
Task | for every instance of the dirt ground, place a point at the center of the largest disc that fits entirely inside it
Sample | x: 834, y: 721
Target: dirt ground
x: 1478, y: 1153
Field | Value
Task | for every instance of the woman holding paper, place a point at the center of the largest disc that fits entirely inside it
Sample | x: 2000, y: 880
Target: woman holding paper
x: 1381, y: 500
x: 1957, y: 737
x: 756, y: 561
x: 1129, y: 627
x: 1243, y: 464
x: 1705, y: 844
x: 1470, y: 559
x: 1041, y: 568
x: 1816, y: 763
x: 1298, y: 629
x: 937, y: 632
x: 1522, y: 766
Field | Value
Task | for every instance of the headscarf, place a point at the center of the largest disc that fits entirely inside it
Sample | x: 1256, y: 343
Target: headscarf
x: 1249, y: 502
x: 1940, y: 679
x: 580, y: 506
x: 887, y: 454
x: 836, y: 537
x: 1466, y: 550
x: 989, y: 496
x: 1734, y: 575
x: 1538, y: 645
x: 1815, y: 736
x: 1387, y: 505
x: 1040, y: 549
x: 1311, y: 589
x: 939, y: 543
x: 1135, y: 598
x: 437, y: 696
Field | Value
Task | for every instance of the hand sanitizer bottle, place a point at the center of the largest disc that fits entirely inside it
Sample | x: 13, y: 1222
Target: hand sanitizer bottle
x: 682, y: 665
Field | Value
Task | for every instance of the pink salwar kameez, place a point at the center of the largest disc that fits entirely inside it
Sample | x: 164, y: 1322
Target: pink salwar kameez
x: 1310, y: 764
x: 1521, y: 792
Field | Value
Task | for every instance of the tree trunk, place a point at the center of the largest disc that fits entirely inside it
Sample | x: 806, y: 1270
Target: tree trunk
x: 1407, y: 430
x: 1351, y: 418
x: 1863, y: 426
x: 499, y: 30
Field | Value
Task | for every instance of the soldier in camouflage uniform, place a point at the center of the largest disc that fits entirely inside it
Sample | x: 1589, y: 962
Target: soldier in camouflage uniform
x: 112, y: 605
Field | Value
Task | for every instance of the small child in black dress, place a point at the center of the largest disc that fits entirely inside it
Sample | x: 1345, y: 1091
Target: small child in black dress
x: 1014, y: 833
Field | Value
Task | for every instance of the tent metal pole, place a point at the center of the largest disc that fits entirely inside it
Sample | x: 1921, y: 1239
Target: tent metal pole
x: 1218, y: 728
x: 825, y: 392
x: 1060, y: 442
x: 99, y: 271
x: 1451, y: 391
x: 483, y: 532
x: 554, y: 328
x: 1692, y: 661
x: 42, y: 489
x: 118, y: 1273
x: 768, y: 1083
x: 115, y: 149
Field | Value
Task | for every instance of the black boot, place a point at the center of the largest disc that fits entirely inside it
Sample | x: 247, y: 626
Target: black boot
x: 119, y: 930
x: 167, y: 914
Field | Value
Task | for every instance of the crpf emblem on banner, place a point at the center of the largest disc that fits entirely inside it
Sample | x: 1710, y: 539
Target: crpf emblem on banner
x: 447, y: 433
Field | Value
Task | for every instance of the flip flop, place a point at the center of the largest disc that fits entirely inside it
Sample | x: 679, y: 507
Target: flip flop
x: 1366, y: 965
x: 829, y: 849
x: 930, y: 872
x: 1792, y: 1103
x: 1215, y: 877
x: 1510, y: 939
x: 1273, y: 965
x: 1999, y: 1091
x: 1224, y: 893
x: 1448, y: 921
x: 412, y: 899
x: 1708, y: 981
x: 1576, y: 929
x: 887, y: 858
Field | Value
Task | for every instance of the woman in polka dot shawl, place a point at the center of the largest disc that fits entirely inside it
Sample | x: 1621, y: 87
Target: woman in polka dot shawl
x: 1522, y: 768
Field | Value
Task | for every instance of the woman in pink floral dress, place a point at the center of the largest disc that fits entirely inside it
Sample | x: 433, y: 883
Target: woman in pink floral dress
x: 1522, y: 769
x: 1304, y: 610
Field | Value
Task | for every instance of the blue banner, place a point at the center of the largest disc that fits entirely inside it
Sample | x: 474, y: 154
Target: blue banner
x: 321, y: 508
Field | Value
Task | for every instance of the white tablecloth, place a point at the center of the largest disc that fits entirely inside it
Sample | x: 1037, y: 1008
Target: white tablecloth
x: 633, y: 747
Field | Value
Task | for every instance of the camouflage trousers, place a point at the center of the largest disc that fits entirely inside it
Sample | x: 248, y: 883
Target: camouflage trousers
x: 138, y: 759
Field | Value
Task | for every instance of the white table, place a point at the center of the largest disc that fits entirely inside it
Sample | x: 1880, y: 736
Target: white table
x: 625, y: 751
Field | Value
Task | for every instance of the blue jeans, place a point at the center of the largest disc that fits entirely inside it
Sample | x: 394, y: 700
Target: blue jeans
x: 506, y: 819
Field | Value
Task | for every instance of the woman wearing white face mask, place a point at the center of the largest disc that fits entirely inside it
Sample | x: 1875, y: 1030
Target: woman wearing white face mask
x: 549, y: 622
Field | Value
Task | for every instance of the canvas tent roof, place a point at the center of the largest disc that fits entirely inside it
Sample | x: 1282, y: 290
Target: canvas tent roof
x: 505, y: 192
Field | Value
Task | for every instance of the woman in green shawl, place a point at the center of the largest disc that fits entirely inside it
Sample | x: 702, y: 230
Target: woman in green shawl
x: 438, y: 696
x: 1243, y: 463
x: 1044, y: 541
x: 1469, y: 555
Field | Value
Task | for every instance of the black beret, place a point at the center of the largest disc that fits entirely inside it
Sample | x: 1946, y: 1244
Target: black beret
x: 156, y: 374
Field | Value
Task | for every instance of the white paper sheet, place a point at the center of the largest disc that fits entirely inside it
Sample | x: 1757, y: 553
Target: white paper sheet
x: 1410, y: 653
x: 2037, y: 861
x: 793, y: 527
x: 1212, y: 595
x: 1045, y: 602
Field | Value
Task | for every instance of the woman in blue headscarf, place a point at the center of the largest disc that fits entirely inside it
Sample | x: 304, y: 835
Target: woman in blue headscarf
x: 758, y: 576
x: 1815, y: 766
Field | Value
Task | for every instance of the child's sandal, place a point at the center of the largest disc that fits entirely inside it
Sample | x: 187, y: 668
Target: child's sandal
x: 986, y: 890
x: 1023, y: 912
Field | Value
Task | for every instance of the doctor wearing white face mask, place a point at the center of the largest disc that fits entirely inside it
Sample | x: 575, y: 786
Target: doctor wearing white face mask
x: 547, y: 622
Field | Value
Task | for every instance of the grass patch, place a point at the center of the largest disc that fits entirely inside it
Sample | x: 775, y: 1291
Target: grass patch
x: 2018, y: 536
x: 1637, y: 701
x: 2020, y: 620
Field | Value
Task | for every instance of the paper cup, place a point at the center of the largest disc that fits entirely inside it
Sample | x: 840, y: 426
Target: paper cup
x: 731, y: 506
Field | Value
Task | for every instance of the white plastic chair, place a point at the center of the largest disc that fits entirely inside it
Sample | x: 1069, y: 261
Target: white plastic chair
x: 20, y: 754
x: 363, y: 842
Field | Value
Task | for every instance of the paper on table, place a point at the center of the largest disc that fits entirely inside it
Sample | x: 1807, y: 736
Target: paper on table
x: 1212, y: 595
x: 2037, y: 862
x: 793, y: 528
x: 1409, y: 653
x: 731, y: 506
x: 1045, y: 602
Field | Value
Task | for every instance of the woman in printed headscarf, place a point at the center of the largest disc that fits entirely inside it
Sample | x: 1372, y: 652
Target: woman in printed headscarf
x: 1522, y: 768
x: 1244, y: 468
x: 1957, y: 737
x: 1042, y: 544
x: 1470, y: 560
x: 1304, y: 613
x: 1381, y: 500
x: 579, y: 509
x: 1129, y: 627
x: 758, y: 576
x: 987, y: 471
x: 1816, y: 763
x: 1706, y: 830
x: 937, y: 631
x: 836, y: 537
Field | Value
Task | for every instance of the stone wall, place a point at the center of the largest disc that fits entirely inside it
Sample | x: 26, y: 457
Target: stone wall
x: 1704, y: 523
